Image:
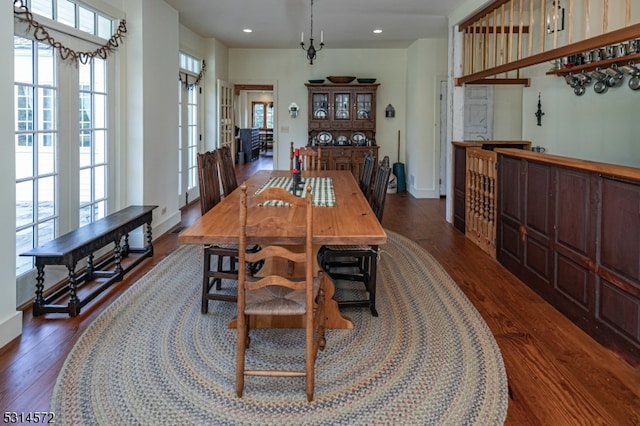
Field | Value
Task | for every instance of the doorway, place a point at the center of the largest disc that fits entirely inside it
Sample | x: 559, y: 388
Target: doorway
x: 255, y: 108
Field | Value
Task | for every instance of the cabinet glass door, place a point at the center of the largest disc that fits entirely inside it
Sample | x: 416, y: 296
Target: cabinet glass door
x: 364, y: 103
x: 320, y: 105
x: 342, y: 102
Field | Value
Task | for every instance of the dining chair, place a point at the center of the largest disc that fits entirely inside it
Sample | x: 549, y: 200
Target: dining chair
x: 359, y: 263
x: 287, y: 285
x: 367, y: 174
x: 210, y: 195
x: 227, y: 170
x: 309, y: 158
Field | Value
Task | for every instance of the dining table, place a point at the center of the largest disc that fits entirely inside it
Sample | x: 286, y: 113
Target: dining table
x: 341, y: 216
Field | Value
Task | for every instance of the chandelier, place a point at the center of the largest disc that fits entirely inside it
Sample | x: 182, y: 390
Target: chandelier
x: 311, y: 50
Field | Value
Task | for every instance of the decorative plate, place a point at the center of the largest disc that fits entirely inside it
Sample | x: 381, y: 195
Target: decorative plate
x: 363, y: 113
x: 358, y: 138
x: 320, y: 113
x: 342, y: 113
x: 342, y: 140
x: 324, y: 138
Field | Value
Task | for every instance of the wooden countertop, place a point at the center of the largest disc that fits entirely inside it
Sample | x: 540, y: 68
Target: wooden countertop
x: 625, y: 172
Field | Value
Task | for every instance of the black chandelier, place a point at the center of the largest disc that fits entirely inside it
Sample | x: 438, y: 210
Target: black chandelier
x: 311, y: 51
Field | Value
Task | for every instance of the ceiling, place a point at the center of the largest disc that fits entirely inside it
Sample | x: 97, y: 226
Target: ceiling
x: 345, y: 23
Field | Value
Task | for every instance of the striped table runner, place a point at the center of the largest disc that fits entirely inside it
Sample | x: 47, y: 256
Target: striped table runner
x: 321, y: 190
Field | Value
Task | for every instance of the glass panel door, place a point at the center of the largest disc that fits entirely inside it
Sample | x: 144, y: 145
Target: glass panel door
x: 363, y: 106
x: 341, y: 106
x: 320, y: 106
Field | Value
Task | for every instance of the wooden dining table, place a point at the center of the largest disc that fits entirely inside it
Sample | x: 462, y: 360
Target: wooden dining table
x: 350, y: 221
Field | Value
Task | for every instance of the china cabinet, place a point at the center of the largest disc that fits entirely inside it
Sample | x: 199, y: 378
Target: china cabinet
x: 341, y: 109
x: 342, y: 124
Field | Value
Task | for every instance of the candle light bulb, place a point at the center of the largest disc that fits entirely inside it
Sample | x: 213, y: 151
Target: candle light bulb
x: 321, y: 36
x: 302, y: 37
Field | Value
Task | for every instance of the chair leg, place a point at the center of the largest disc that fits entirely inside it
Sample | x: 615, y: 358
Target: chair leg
x: 218, y: 281
x: 373, y: 267
x: 242, y: 332
x: 206, y: 286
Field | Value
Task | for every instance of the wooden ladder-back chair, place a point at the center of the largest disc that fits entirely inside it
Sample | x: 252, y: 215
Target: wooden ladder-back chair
x: 227, y: 170
x: 309, y: 158
x: 210, y: 196
x: 367, y: 174
x: 359, y: 263
x: 280, y: 231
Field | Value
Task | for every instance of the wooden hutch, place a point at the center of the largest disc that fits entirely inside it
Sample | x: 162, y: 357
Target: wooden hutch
x: 342, y: 124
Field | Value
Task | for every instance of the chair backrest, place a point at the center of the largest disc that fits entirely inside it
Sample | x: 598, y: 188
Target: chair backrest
x: 227, y: 170
x: 277, y: 230
x: 309, y: 158
x: 367, y: 173
x: 379, y: 194
x: 208, y: 180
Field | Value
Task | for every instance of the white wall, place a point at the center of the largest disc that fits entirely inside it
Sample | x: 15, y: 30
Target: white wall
x: 289, y: 70
x: 10, y: 319
x: 596, y: 127
x: 426, y: 64
x: 507, y: 112
x: 151, y: 130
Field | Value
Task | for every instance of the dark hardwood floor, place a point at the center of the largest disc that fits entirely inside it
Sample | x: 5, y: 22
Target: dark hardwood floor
x: 557, y: 374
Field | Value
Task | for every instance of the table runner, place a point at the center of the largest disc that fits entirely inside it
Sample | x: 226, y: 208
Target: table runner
x: 321, y: 190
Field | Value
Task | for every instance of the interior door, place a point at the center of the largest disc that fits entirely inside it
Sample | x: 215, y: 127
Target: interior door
x: 478, y: 112
x: 225, y: 116
x: 443, y: 137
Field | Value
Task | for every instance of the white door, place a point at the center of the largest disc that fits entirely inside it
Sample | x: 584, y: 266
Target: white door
x: 478, y: 112
x: 226, y: 135
x: 443, y: 137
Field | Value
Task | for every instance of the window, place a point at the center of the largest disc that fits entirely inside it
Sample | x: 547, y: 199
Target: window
x: 188, y: 126
x: 63, y: 130
x: 262, y: 115
x: 73, y: 14
x: 93, y: 141
x: 36, y: 151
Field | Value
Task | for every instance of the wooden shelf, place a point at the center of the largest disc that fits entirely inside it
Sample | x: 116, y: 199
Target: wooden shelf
x: 621, y: 60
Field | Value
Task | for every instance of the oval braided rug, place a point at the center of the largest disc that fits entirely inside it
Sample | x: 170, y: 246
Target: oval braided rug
x: 153, y: 358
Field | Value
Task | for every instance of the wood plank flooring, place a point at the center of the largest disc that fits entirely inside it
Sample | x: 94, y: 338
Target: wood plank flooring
x: 557, y: 374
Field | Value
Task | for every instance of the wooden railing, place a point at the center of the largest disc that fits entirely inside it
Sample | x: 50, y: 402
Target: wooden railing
x: 481, y: 203
x: 507, y: 35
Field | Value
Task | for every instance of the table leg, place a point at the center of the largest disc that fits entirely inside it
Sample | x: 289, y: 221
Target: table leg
x: 333, y: 317
x: 38, y: 302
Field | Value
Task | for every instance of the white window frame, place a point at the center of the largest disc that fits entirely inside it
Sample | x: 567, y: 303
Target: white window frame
x: 67, y: 157
x: 189, y: 132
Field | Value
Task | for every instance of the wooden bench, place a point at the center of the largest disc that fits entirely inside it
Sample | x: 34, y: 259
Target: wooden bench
x: 83, y: 242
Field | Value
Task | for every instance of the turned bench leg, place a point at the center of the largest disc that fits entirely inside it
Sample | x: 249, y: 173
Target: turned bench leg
x: 74, y: 302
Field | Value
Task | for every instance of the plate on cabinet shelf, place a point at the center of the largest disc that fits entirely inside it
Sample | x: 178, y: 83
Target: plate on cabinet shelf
x: 324, y: 138
x: 363, y: 113
x: 320, y: 113
x: 342, y: 113
x: 358, y: 138
x: 342, y: 140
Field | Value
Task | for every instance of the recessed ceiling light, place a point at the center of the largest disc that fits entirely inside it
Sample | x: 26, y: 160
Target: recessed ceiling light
x: 377, y: 31
x: 247, y: 30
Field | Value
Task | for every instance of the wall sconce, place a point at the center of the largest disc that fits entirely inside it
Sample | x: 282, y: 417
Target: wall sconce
x: 390, y: 111
x: 293, y: 110
x: 555, y: 17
